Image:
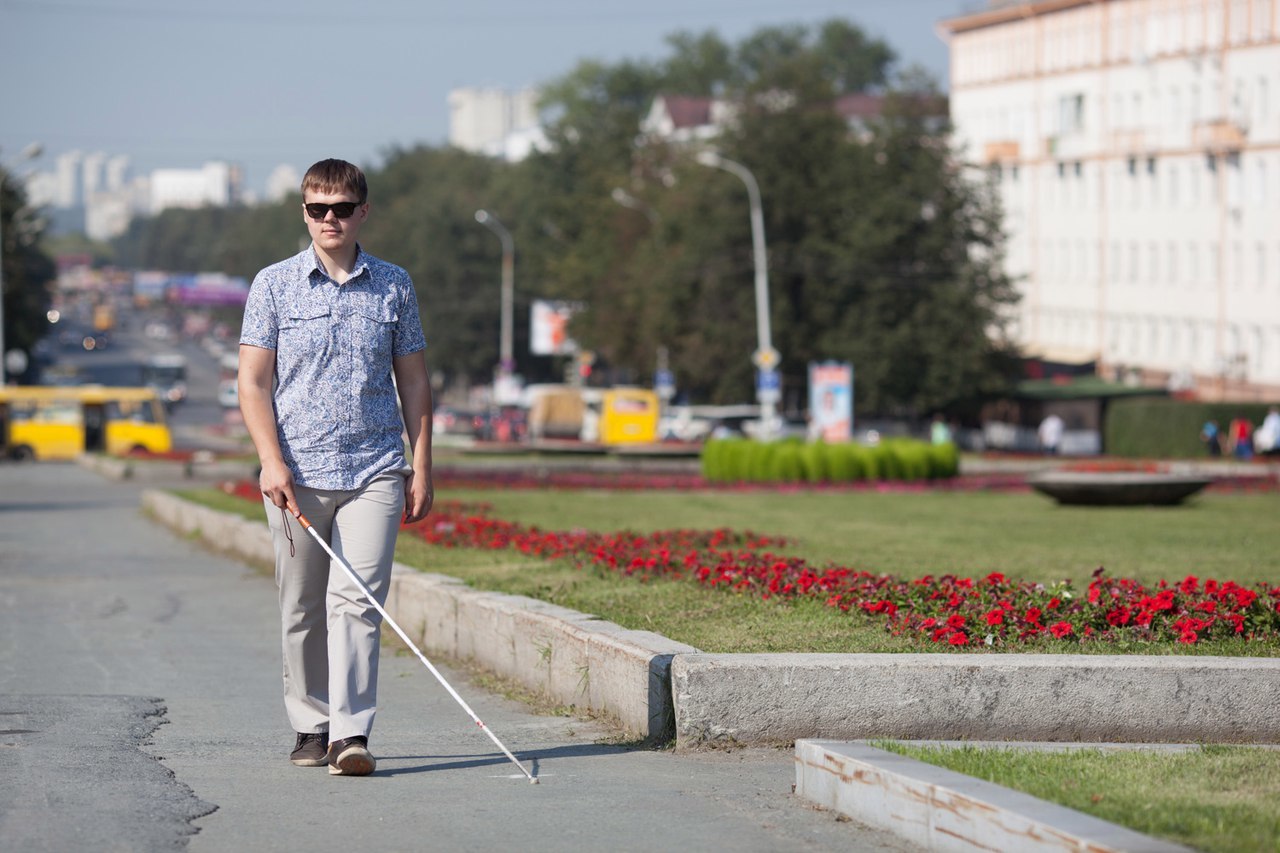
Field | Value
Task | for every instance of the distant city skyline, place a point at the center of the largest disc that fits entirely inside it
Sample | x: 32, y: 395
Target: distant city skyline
x: 182, y: 84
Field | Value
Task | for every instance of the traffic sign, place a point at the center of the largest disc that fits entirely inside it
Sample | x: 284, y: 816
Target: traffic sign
x: 768, y: 386
x: 766, y: 359
x: 664, y: 383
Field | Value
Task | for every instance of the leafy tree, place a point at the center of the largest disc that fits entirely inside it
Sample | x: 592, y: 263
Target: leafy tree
x: 27, y: 271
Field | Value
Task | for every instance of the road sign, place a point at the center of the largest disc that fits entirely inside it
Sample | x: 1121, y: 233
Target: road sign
x: 768, y: 386
x: 766, y: 359
x: 664, y: 384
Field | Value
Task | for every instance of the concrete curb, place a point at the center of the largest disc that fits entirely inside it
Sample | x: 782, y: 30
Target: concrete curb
x: 573, y: 658
x: 942, y: 810
x: 165, y: 470
x: 778, y: 698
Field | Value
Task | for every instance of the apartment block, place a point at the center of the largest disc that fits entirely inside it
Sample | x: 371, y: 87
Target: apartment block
x: 1135, y: 147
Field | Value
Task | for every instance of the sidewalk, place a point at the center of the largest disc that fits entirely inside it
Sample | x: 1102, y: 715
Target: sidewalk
x: 112, y: 625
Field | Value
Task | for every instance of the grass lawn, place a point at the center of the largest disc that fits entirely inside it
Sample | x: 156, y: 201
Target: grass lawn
x: 1220, y: 798
x: 1227, y: 536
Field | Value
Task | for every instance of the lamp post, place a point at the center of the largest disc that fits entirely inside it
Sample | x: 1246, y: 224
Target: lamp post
x: 31, y: 152
x: 765, y: 357
x: 506, y: 360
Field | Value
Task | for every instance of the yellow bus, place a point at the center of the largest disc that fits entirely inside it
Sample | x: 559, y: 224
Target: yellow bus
x: 61, y: 423
x: 629, y: 416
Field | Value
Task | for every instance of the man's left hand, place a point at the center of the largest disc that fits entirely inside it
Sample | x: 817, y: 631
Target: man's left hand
x: 419, y: 495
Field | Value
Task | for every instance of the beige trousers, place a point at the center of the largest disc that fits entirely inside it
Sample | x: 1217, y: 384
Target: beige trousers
x: 329, y: 630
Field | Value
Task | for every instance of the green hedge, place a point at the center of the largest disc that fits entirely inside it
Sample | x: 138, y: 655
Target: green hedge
x: 739, y: 460
x: 1169, y: 429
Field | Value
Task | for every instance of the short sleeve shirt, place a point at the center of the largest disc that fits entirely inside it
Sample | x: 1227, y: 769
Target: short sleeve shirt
x: 336, y: 408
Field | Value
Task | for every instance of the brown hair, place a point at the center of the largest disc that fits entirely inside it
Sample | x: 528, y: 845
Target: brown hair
x: 335, y: 176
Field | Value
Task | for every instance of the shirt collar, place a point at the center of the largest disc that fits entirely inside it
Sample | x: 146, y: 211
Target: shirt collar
x: 311, y: 262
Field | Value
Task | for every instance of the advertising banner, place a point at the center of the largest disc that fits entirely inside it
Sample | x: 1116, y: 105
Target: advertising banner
x: 549, y: 328
x: 831, y: 401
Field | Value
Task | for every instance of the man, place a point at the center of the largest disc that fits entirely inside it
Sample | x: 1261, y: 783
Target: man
x: 323, y: 333
x: 1050, y: 434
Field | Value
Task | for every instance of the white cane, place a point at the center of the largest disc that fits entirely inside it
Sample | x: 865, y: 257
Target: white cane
x: 302, y: 519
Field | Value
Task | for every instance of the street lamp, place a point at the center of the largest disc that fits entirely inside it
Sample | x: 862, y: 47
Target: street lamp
x: 765, y: 357
x: 506, y: 360
x: 31, y: 152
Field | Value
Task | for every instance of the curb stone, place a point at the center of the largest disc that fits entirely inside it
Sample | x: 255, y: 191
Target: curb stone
x: 940, y: 809
x: 780, y: 698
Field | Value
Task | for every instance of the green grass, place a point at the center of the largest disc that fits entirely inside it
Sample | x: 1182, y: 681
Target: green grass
x: 1023, y: 535
x: 1219, y: 798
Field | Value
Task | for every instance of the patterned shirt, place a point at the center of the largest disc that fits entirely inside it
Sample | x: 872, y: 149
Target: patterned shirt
x: 335, y: 404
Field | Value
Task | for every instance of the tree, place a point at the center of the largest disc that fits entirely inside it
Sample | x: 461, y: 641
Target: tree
x: 27, y: 270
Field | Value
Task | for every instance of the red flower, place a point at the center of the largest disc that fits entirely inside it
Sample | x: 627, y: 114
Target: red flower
x: 957, y: 639
x: 994, y: 578
x: 955, y: 621
x: 994, y: 617
x: 1188, y: 637
x: 1189, y: 586
x: 1060, y: 629
x: 1033, y: 615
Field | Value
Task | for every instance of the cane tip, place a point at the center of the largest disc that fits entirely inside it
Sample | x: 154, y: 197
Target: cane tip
x: 533, y: 780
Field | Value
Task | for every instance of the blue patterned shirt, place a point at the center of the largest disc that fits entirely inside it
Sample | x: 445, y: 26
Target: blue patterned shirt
x: 336, y: 407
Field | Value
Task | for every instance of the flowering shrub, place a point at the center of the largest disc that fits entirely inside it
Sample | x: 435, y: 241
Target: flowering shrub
x: 956, y: 611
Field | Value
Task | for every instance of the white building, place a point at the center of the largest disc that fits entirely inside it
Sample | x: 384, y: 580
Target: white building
x: 216, y: 184
x: 495, y: 122
x: 284, y: 179
x: 1136, y: 148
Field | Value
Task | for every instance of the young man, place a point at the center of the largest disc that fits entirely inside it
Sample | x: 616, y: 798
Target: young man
x: 323, y: 333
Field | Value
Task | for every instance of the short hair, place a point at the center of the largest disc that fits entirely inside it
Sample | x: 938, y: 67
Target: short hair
x: 335, y: 176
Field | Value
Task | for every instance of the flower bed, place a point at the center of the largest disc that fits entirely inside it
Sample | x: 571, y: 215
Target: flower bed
x: 993, y: 611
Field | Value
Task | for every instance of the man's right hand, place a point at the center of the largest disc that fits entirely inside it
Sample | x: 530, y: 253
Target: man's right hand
x: 276, y: 482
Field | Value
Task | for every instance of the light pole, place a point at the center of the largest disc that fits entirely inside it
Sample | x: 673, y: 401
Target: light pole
x: 506, y: 360
x: 765, y: 357
x: 31, y: 152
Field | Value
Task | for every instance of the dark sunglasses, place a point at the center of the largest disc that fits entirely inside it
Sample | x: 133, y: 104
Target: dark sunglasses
x: 342, y: 209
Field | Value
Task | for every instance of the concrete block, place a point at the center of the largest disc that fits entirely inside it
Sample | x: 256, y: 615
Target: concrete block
x: 778, y: 698
x: 939, y: 809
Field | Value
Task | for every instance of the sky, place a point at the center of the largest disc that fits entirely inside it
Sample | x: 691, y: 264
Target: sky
x: 176, y: 83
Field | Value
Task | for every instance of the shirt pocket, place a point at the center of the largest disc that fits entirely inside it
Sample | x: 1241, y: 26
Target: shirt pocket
x: 305, y: 327
x: 373, y: 326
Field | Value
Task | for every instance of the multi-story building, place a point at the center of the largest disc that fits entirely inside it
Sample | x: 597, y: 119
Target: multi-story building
x: 1135, y: 145
x: 215, y: 184
x: 495, y: 122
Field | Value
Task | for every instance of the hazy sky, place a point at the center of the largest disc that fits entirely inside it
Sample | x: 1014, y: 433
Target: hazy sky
x: 173, y: 83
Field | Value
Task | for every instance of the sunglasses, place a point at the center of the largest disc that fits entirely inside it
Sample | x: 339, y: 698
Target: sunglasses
x: 342, y: 209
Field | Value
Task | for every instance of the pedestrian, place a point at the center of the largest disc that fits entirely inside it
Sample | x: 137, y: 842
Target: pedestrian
x: 323, y: 334
x: 939, y: 432
x: 1266, y: 440
x: 1050, y: 434
x: 1211, y: 438
x: 1240, y: 438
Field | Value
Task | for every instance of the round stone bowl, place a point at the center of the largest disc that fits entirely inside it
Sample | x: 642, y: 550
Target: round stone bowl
x: 1116, y: 488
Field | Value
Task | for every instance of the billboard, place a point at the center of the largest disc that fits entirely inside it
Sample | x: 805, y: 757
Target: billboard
x: 549, y: 327
x: 831, y: 401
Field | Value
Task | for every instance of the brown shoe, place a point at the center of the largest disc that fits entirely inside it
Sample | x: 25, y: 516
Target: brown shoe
x: 311, y: 750
x: 351, y: 757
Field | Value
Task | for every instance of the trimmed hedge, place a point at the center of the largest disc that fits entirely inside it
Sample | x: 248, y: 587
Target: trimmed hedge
x: 1169, y: 429
x: 740, y: 460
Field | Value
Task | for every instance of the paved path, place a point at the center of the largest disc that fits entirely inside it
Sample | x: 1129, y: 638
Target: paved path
x: 121, y: 644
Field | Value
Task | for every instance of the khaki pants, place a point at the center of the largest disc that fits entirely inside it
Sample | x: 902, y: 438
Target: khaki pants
x: 329, y: 630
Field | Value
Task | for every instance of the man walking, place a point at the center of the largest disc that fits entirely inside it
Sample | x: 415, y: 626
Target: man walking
x: 323, y: 334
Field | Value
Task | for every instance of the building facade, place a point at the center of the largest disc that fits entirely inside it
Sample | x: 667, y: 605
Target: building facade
x: 1135, y: 146
x: 495, y: 122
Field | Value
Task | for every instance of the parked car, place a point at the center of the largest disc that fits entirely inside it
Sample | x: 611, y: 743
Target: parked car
x: 508, y: 423
x: 449, y: 420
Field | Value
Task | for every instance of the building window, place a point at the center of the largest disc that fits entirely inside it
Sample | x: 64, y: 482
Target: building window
x: 1133, y: 262
x: 1153, y: 259
x: 1171, y: 188
x: 1114, y: 274
x: 1261, y: 253
x: 1071, y: 113
x: 1193, y: 264
x: 1171, y: 264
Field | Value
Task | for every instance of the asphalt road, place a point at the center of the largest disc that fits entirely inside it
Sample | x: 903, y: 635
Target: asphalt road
x: 140, y: 709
